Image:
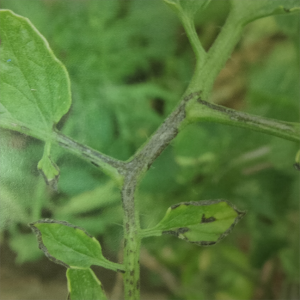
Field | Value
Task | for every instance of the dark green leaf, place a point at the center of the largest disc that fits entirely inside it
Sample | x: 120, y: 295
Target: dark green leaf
x: 35, y: 87
x: 69, y: 245
x: 202, y: 223
x: 84, y: 285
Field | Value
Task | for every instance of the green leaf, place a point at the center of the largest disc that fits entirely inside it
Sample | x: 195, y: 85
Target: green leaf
x: 249, y: 10
x: 203, y: 222
x: 69, y: 245
x: 83, y: 284
x: 35, y: 87
x: 49, y: 170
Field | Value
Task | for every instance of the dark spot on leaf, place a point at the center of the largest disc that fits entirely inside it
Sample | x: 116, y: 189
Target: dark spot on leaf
x: 297, y: 166
x: 138, y: 285
x: 177, y: 232
x: 131, y: 272
x: 175, y: 206
x: 205, y: 243
x: 43, y: 247
x: 129, y: 293
x: 121, y: 271
x: 125, y: 243
x: 183, y: 230
x: 131, y: 282
x: 170, y: 232
x: 207, y: 220
x: 94, y: 164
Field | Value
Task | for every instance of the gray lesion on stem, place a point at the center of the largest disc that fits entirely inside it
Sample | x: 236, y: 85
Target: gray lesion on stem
x: 93, y: 155
x: 244, y: 117
x: 168, y: 130
x: 132, y: 170
x: 201, y: 110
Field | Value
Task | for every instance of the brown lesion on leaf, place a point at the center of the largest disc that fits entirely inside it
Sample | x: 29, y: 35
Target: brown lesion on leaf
x: 94, y: 164
x: 44, y: 248
x: 175, y: 206
x: 297, y: 166
x: 205, y: 243
x: 207, y: 220
x: 177, y: 231
x: 182, y: 203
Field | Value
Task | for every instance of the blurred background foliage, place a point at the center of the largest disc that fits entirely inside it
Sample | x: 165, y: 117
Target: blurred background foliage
x: 129, y: 63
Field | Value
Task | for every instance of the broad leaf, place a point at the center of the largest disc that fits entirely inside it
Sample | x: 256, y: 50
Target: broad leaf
x: 249, y: 10
x: 35, y: 87
x: 202, y: 223
x: 69, y: 245
x: 83, y: 284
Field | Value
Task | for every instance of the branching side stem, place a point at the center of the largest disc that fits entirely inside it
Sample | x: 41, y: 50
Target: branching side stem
x: 199, y: 110
x: 192, y: 35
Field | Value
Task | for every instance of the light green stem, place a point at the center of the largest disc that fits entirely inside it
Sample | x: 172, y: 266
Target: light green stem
x: 206, y: 73
x: 190, y: 30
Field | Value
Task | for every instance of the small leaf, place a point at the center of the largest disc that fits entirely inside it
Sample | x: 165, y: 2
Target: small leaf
x: 83, y: 285
x: 69, y: 245
x: 247, y: 11
x: 49, y: 170
x: 203, y: 223
x: 35, y: 86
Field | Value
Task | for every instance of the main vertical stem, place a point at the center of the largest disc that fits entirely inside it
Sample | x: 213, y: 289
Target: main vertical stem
x: 132, y: 241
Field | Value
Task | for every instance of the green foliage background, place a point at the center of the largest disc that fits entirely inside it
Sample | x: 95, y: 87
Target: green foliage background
x: 129, y: 62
